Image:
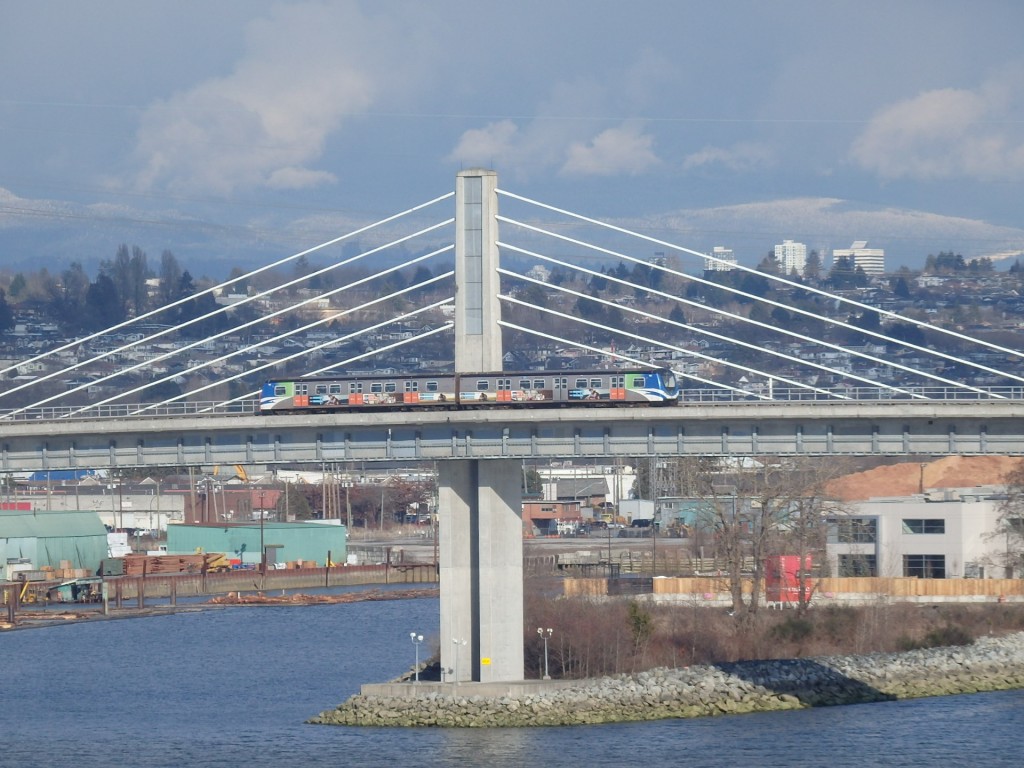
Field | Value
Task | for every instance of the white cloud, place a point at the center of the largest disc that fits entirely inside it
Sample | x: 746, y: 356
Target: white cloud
x: 744, y: 156
x: 623, y: 150
x: 306, y: 68
x: 495, y: 143
x: 949, y: 133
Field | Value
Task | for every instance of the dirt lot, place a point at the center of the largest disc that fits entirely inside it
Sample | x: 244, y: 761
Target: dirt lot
x: 912, y: 477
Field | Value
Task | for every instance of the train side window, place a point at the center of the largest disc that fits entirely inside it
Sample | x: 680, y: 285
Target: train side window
x: 482, y: 385
x: 334, y: 389
x: 321, y: 389
x: 355, y: 387
x: 637, y: 381
x: 618, y: 381
x: 431, y: 386
x: 581, y: 383
x: 376, y: 387
x: 280, y: 390
x: 302, y: 389
x: 538, y: 383
x: 412, y: 385
x: 561, y: 383
x: 524, y: 383
x: 595, y: 383
x: 390, y: 386
x: 505, y: 384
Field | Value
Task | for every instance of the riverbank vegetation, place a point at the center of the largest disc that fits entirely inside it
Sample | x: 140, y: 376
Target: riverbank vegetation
x: 591, y: 638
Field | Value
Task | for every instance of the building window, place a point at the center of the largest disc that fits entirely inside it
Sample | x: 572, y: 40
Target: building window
x: 856, y: 530
x: 857, y: 565
x: 924, y: 526
x: 925, y: 566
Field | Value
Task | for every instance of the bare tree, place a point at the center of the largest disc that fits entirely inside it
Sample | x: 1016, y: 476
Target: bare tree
x: 1010, y: 524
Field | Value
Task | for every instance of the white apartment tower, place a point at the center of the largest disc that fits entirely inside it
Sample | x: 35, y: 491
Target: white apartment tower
x: 871, y: 260
x: 791, y: 257
x: 721, y: 260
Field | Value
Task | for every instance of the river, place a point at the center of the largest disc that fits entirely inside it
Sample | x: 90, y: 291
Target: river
x: 233, y: 687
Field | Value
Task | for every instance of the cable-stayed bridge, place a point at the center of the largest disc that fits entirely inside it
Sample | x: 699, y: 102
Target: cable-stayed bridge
x: 179, y: 385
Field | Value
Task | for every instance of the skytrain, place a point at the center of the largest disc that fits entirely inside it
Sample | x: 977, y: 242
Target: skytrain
x: 505, y: 389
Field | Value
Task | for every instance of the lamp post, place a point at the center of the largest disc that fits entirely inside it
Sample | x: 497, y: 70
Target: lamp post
x: 544, y: 635
x: 457, y: 643
x: 416, y: 641
x: 263, y: 549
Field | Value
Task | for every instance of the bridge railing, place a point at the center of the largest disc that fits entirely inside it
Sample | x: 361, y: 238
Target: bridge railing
x: 133, y: 410
x: 709, y: 395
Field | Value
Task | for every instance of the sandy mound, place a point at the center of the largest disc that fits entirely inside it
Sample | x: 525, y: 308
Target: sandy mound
x: 906, y: 478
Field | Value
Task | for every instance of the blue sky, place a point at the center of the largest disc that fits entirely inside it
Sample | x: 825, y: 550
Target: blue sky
x: 735, y: 123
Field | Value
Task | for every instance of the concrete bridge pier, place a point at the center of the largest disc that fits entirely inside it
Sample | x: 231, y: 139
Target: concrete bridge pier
x: 481, y: 579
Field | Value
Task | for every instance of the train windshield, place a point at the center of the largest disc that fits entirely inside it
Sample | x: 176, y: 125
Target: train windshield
x: 670, y: 379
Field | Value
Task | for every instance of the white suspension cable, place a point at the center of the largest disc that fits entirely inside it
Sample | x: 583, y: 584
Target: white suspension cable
x: 748, y: 345
x: 220, y: 286
x: 285, y: 359
x: 757, y: 323
x: 777, y: 278
x: 232, y: 307
x: 370, y: 353
x: 691, y: 353
x: 632, y: 360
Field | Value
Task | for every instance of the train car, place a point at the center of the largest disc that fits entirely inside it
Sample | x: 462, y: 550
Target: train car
x: 507, y: 389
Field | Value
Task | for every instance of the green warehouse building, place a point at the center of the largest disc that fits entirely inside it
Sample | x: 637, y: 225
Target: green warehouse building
x: 50, y: 538
x: 284, y: 542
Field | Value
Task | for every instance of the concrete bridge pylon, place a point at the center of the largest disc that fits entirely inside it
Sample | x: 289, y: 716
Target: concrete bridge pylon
x: 480, y: 500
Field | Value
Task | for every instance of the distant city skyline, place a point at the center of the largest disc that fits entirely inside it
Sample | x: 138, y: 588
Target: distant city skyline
x: 240, y: 130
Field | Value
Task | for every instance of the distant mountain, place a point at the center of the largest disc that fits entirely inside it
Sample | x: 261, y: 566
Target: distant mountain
x: 52, y: 233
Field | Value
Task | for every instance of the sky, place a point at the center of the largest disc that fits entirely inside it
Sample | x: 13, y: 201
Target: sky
x: 257, y: 127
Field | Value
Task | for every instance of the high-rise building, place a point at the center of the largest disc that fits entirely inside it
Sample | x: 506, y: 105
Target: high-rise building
x: 791, y: 257
x: 871, y: 260
x: 721, y: 260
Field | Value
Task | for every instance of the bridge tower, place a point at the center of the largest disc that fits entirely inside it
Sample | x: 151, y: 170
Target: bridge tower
x: 480, y: 501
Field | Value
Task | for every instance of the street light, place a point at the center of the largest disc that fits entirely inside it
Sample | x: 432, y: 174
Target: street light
x: 416, y: 641
x: 544, y: 635
x: 263, y: 549
x: 457, y: 643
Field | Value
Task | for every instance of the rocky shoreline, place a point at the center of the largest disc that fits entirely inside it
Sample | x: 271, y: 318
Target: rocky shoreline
x: 991, y: 664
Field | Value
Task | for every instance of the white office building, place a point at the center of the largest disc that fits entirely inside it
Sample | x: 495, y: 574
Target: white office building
x: 871, y: 260
x: 943, y: 534
x: 721, y: 260
x: 791, y: 257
